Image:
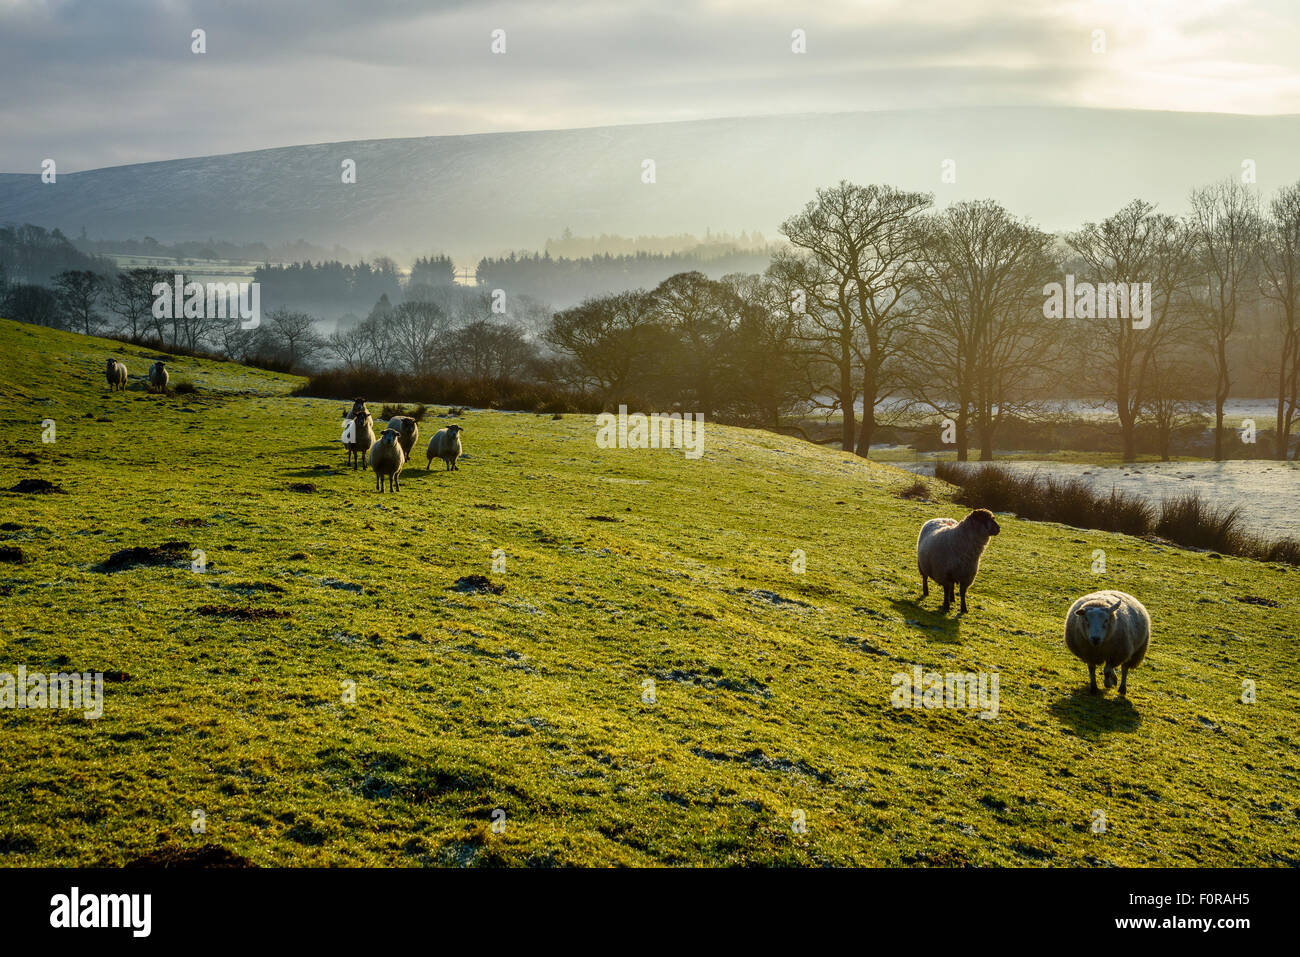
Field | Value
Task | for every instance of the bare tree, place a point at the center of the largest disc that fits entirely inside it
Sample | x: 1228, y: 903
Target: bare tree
x: 414, y: 329
x: 1137, y: 244
x: 294, y: 334
x: 1176, y: 396
x: 1226, y: 221
x: 982, y: 346
x: 855, y: 246
x: 131, y: 298
x: 614, y: 341
x: 79, y: 291
x: 1279, y: 258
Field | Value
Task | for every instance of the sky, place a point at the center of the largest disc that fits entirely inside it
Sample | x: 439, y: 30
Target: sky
x: 95, y: 83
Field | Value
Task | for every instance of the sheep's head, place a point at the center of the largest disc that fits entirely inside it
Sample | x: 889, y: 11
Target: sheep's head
x: 1098, y: 620
x: 111, y: 363
x: 984, y: 520
x: 389, y: 436
x: 358, y: 405
x: 455, y: 429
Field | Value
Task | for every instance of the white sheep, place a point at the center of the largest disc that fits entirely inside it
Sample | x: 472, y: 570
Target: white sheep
x: 408, y: 432
x: 158, y: 378
x: 949, y: 552
x: 358, y: 436
x: 445, y: 445
x: 1110, y: 628
x: 387, y: 458
x: 115, y: 372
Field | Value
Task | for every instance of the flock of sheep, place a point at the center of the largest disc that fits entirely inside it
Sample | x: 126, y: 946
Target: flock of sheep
x: 156, y: 378
x: 1109, y: 628
x: 389, y: 453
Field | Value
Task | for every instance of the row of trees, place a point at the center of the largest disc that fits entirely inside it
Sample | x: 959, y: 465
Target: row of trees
x: 878, y: 299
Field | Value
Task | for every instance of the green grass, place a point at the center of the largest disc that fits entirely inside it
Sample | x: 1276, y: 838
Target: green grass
x: 620, y: 566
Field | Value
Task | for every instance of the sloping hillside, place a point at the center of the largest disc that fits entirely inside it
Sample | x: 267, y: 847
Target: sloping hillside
x: 772, y: 688
x: 486, y: 193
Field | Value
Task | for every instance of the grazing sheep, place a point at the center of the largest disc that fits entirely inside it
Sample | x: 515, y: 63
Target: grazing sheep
x: 158, y: 378
x: 115, y: 372
x: 387, y: 458
x: 949, y: 552
x: 358, y: 436
x: 445, y: 445
x: 408, y: 431
x: 1110, y: 628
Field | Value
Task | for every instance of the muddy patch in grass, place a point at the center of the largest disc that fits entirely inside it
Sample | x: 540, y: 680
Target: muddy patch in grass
x: 253, y: 588
x: 765, y: 762
x: 209, y: 855
x: 12, y: 555
x: 168, y: 554
x: 245, y: 613
x: 306, y: 487
x: 1256, y: 600
x: 37, y: 487
x: 477, y: 584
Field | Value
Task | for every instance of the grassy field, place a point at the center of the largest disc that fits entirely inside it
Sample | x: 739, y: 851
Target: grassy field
x: 771, y: 687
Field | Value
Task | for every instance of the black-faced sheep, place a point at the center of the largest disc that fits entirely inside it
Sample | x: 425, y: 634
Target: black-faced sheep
x: 358, y: 436
x: 408, y: 432
x: 949, y: 552
x: 387, y: 458
x: 115, y: 372
x: 445, y: 445
x: 1108, y: 628
x: 158, y: 378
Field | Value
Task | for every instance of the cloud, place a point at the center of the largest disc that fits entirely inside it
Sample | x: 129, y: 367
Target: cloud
x: 94, y: 84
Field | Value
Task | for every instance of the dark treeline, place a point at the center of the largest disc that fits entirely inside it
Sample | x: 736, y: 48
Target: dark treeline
x: 343, y: 285
x: 32, y: 255
x: 199, y: 249
x: 565, y: 282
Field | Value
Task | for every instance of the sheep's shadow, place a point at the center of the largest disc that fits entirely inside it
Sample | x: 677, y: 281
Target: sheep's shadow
x: 1092, y: 715
x: 941, y: 627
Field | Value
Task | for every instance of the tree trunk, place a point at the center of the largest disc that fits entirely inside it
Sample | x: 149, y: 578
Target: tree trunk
x: 868, y: 427
x: 963, y: 440
x: 1282, y: 438
x: 846, y: 404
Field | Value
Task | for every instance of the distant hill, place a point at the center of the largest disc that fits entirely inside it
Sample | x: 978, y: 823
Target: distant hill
x: 488, y: 193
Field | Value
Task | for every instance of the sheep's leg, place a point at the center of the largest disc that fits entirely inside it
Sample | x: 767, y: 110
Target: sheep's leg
x: 963, y: 598
x: 925, y: 587
x: 1123, y: 680
x: 1110, y: 676
x: 947, y: 597
x: 1092, y: 679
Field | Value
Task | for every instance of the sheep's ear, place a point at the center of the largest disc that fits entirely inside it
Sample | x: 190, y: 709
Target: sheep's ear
x: 1081, y: 612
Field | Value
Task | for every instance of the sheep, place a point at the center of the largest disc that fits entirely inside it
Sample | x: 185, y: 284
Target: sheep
x: 445, y: 445
x: 408, y: 431
x: 158, y: 378
x: 115, y: 372
x: 1110, y: 628
x: 387, y: 458
x: 949, y: 552
x: 358, y: 436
x: 359, y: 405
